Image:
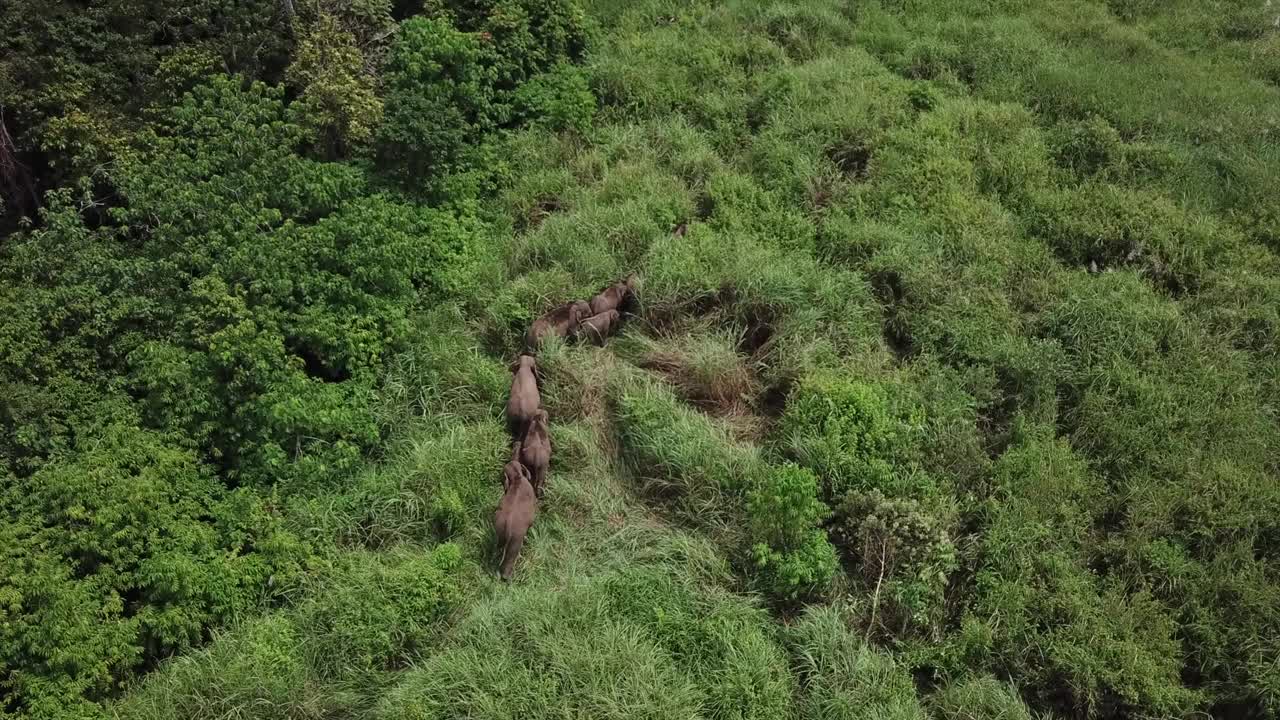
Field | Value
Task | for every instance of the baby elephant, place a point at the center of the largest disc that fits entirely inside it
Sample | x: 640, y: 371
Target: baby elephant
x: 524, y: 400
x: 515, y: 512
x: 613, y: 297
x: 560, y: 321
x: 536, y: 451
x: 598, y: 327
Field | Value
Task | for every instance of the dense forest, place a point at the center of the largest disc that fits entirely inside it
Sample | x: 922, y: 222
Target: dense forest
x: 952, y: 388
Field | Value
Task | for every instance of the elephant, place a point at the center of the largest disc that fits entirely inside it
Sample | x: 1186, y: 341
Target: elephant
x: 515, y: 513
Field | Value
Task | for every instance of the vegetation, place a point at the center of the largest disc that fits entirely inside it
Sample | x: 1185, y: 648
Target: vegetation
x: 952, y: 390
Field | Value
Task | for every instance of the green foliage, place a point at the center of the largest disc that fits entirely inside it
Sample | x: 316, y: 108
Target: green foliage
x: 679, y: 452
x: 337, y: 99
x: 128, y: 551
x: 799, y: 572
x: 435, y: 488
x: 1091, y: 640
x: 523, y: 37
x: 784, y: 505
x: 378, y: 612
x: 641, y: 643
x: 842, y: 677
x: 75, y: 79
x: 791, y: 554
x: 844, y: 431
x: 274, y: 310
x: 1000, y: 277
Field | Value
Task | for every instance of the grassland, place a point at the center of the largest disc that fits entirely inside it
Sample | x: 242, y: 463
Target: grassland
x: 959, y: 398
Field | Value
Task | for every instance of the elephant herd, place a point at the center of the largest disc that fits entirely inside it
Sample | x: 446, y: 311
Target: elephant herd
x: 524, y: 477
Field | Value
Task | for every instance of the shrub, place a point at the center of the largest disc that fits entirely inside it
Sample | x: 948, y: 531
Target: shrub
x: 903, y: 551
x: 461, y: 72
x: 784, y: 506
x: 797, y: 573
x: 844, y: 431
x: 280, y: 322
x: 790, y: 555
x: 523, y: 37
x: 127, y: 552
x: 558, y: 100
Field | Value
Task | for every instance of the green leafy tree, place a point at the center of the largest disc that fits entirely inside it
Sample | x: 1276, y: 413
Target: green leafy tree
x: 439, y: 98
x: 129, y: 551
x: 337, y: 99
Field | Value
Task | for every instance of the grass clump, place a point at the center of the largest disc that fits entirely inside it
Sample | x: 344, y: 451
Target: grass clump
x: 767, y: 515
x: 680, y: 453
x: 638, y: 643
x: 257, y: 671
x: 435, y: 488
x: 377, y: 612
x: 983, y: 697
x: 706, y: 369
x: 843, y: 678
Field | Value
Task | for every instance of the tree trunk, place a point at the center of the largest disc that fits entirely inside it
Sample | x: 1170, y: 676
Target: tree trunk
x: 16, y: 187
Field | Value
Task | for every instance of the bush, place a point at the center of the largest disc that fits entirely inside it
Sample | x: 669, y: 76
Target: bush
x: 844, y: 431
x: 462, y: 72
x: 790, y: 555
x: 558, y: 100
x: 798, y: 573
x: 903, y: 551
x: 784, y: 506
x: 128, y: 552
